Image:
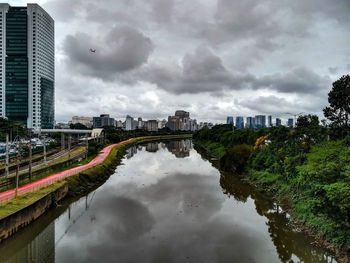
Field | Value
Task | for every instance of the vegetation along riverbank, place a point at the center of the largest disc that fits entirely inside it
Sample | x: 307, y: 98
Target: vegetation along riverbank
x: 306, y: 169
x: 77, y: 184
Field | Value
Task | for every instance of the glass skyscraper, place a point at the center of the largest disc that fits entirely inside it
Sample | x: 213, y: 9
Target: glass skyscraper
x: 260, y: 121
x: 27, y: 65
x: 239, y: 122
x: 229, y: 120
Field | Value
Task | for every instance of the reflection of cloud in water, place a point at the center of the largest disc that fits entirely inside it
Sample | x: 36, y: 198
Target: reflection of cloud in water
x: 158, y: 208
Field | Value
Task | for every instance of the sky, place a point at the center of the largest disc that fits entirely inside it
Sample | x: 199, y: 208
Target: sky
x: 213, y: 58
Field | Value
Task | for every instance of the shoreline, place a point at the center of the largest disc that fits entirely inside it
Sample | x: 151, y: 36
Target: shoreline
x: 75, y: 185
x: 341, y: 254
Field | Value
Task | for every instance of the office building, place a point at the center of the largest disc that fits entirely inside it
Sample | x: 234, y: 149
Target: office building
x: 27, y: 65
x: 250, y: 123
x: 229, y: 120
x: 269, y: 121
x: 290, y: 123
x: 260, y: 121
x: 239, y: 122
x: 129, y: 123
x: 103, y: 120
x: 87, y: 121
x: 278, y: 122
x: 151, y: 125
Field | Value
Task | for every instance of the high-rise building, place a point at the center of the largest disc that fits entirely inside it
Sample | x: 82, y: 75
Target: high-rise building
x: 278, y: 122
x: 229, y: 120
x: 103, y: 120
x: 250, y: 123
x: 290, y: 123
x: 129, y: 123
x: 151, y: 125
x: 260, y: 121
x: 269, y: 121
x: 239, y: 122
x: 27, y: 65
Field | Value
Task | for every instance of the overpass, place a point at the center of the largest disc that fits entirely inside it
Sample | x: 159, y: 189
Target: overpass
x: 67, y: 131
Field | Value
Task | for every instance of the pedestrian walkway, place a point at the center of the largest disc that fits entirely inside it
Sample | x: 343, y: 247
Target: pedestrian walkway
x: 30, y: 187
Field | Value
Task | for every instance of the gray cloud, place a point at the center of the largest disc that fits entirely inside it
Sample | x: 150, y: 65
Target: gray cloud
x: 123, y: 48
x: 203, y: 71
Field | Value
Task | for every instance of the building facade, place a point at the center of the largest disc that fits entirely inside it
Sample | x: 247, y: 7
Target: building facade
x: 260, y: 121
x: 229, y: 120
x: 27, y: 65
x: 250, y: 124
x: 103, y: 120
x: 278, y: 122
x: 269, y: 121
x: 290, y: 123
x: 87, y: 121
x: 152, y: 125
x: 129, y: 123
x: 239, y: 122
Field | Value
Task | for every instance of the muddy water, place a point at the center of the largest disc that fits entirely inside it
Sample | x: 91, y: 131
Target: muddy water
x: 166, y: 203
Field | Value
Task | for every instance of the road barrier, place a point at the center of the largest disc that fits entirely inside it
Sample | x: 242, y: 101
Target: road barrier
x: 30, y: 187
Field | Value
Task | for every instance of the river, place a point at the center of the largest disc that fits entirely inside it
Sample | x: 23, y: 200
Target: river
x: 165, y: 203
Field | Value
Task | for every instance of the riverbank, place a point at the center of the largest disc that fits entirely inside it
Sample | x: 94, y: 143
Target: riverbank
x: 76, y: 184
x: 273, y: 186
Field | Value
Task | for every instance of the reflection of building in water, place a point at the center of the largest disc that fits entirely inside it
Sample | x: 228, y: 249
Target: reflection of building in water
x: 152, y: 147
x: 131, y: 151
x: 180, y: 149
x: 41, y: 249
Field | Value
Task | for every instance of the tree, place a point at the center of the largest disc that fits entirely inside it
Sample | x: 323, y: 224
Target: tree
x: 309, y: 130
x: 338, y: 111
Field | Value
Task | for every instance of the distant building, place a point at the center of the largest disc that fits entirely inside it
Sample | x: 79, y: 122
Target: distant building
x: 140, y: 123
x: 278, y: 122
x: 162, y: 124
x: 152, y: 125
x: 87, y: 121
x: 229, y: 120
x: 193, y: 125
x: 290, y: 123
x: 129, y: 123
x: 103, y: 120
x: 119, y: 124
x: 250, y: 123
x: 61, y: 125
x: 269, y: 121
x: 239, y: 122
x: 181, y: 121
x: 260, y: 121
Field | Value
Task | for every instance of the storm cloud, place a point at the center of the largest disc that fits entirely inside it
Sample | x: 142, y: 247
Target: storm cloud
x: 213, y: 58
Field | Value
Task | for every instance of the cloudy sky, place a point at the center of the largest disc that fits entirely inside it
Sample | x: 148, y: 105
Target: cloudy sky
x: 211, y: 57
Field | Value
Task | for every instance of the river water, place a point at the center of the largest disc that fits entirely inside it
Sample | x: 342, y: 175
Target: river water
x: 165, y: 203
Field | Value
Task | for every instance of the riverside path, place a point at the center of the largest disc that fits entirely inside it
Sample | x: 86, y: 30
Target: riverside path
x: 30, y: 187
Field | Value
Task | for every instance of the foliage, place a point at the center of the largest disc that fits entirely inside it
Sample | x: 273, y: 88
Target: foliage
x: 235, y: 158
x: 12, y: 128
x: 78, y: 126
x: 338, y: 111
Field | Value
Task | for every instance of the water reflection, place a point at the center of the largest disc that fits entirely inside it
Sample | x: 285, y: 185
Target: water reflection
x: 157, y: 208
x: 290, y: 244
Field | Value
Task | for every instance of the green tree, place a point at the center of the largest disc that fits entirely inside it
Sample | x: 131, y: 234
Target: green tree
x: 338, y: 111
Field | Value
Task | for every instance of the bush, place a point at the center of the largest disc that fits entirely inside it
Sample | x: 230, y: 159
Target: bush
x: 236, y: 158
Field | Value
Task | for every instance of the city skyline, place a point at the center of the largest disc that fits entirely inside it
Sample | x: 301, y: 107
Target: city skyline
x: 189, y: 56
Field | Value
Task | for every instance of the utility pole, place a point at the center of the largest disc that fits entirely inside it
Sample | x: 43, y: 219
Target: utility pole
x: 7, y: 156
x: 17, y: 167
x: 69, y: 145
x: 87, y: 145
x: 62, y: 141
x: 45, y: 162
x: 30, y: 156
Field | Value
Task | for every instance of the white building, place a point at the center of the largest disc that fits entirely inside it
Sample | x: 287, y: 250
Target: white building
x: 87, y: 121
x: 129, y: 123
x: 27, y: 65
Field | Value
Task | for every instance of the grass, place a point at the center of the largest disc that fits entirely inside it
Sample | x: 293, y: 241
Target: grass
x: 23, y: 201
x: 80, y: 182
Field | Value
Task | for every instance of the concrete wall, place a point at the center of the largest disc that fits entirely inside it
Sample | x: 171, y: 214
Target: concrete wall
x: 11, y: 224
